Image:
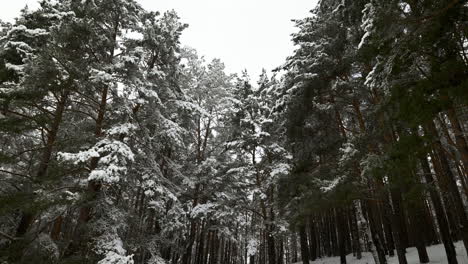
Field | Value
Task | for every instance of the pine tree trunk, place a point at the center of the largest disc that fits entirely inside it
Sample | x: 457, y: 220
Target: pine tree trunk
x: 416, y: 214
x: 209, y: 248
x: 319, y: 233
x: 460, y: 141
x: 357, y: 234
x: 252, y: 259
x: 271, y: 242
x: 340, y: 220
x: 396, y: 227
x: 446, y: 198
x: 201, y: 245
x: 332, y: 234
x: 186, y: 257
x: 432, y: 237
x: 400, y: 212
x: 450, y: 180
x: 387, y: 223
x: 94, y: 187
x: 281, y: 251
x: 28, y: 217
x: 56, y: 228
x: 440, y: 214
x: 227, y: 252
x: 312, y: 239
x: 304, y: 245
x: 365, y: 230
x: 294, y: 247
x: 214, y: 248
x: 375, y: 232
x: 222, y: 250
x: 327, y: 244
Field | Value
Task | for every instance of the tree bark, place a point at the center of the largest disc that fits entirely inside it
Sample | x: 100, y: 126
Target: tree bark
x: 365, y: 230
x: 460, y: 141
x: 416, y: 214
x: 27, y: 216
x: 440, y: 214
x: 355, y: 229
x: 341, y: 234
x: 304, y: 245
x: 450, y: 180
x: 312, y: 239
x: 294, y: 247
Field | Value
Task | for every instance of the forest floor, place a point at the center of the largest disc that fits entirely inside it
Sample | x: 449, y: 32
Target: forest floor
x: 436, y: 256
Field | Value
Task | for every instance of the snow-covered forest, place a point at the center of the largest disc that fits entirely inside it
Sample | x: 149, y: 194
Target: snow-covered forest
x: 120, y: 145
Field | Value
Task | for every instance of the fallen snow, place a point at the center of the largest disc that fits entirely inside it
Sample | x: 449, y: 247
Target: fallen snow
x: 436, y: 256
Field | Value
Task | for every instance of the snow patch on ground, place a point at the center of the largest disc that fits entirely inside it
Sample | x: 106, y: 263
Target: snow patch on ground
x: 436, y: 256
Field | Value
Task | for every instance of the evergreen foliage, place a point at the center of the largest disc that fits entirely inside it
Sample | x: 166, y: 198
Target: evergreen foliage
x: 118, y: 145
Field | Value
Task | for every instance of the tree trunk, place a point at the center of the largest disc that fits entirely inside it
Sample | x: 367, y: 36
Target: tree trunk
x: 375, y: 229
x: 440, y: 214
x: 416, y: 214
x: 387, y: 224
x: 27, y: 216
x: 357, y: 235
x: 340, y: 220
x: 56, y: 228
x: 396, y: 227
x: 271, y: 248
x: 280, y: 251
x: 294, y: 247
x: 365, y: 229
x: 312, y: 239
x: 460, y: 141
x: 450, y: 180
x: 304, y: 245
x: 186, y: 258
x: 201, y: 245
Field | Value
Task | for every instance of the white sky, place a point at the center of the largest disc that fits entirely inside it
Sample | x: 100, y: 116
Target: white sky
x: 244, y: 34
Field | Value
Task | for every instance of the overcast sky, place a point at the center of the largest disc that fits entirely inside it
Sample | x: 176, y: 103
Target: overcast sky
x: 244, y: 34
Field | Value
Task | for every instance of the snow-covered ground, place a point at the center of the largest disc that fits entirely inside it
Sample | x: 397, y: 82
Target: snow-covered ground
x: 436, y: 256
